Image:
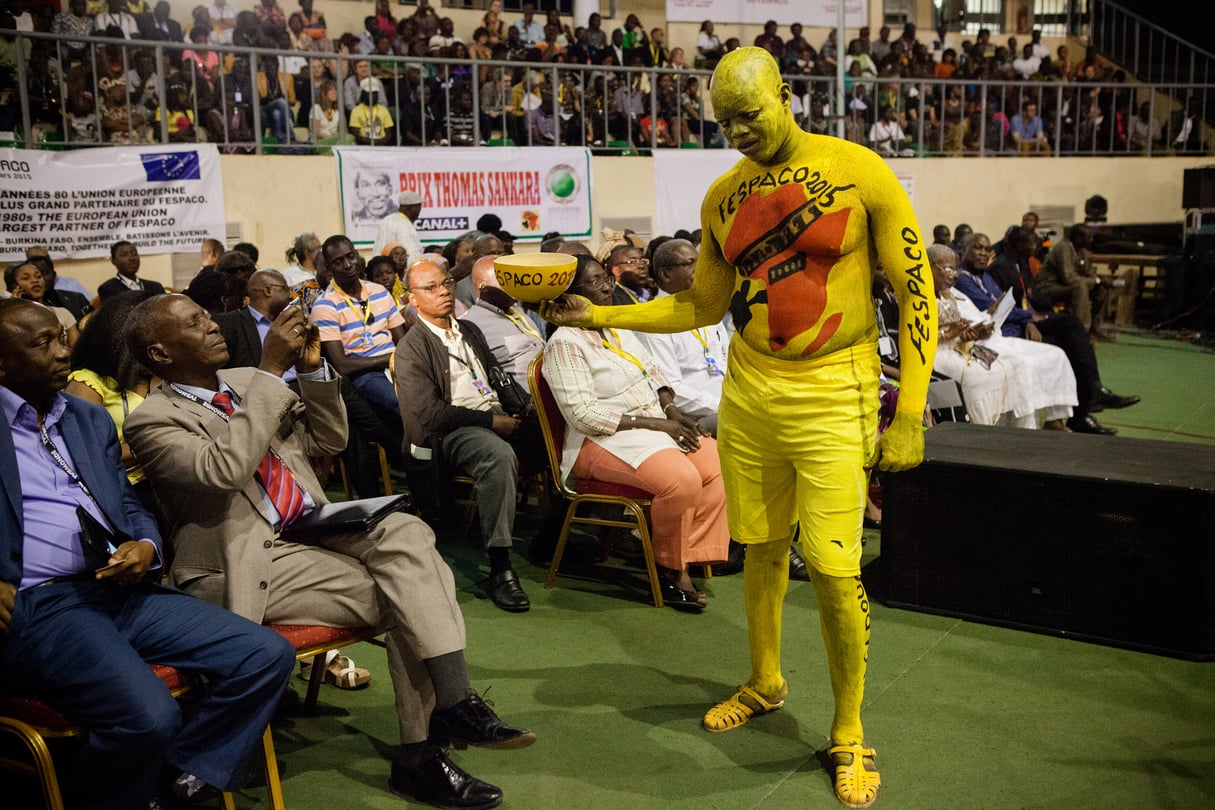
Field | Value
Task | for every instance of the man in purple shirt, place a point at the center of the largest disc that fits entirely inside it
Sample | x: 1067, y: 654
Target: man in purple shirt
x: 79, y: 631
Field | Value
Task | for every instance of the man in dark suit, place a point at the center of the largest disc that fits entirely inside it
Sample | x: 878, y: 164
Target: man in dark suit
x: 78, y: 630
x: 245, y: 329
x: 125, y: 258
x: 158, y: 27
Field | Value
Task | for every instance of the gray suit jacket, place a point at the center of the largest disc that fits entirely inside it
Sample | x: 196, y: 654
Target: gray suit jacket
x: 202, y: 470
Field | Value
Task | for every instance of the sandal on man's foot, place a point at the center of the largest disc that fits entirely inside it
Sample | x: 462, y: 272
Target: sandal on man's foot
x: 856, y: 777
x: 741, y: 707
x: 343, y: 674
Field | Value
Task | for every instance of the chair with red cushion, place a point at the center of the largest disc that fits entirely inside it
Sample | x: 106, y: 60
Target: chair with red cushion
x: 33, y: 722
x: 585, y: 490
x: 311, y: 642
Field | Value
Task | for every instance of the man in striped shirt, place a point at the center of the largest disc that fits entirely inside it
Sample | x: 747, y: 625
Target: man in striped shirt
x: 359, y: 325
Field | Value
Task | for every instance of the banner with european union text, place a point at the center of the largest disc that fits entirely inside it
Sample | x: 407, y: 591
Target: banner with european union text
x: 533, y: 191
x: 165, y: 199
x: 810, y: 13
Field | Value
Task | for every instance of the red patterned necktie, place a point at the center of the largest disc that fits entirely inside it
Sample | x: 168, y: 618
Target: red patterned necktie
x: 272, y: 474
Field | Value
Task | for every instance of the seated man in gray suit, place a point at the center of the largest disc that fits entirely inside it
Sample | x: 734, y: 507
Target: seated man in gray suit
x: 244, y: 330
x: 227, y: 453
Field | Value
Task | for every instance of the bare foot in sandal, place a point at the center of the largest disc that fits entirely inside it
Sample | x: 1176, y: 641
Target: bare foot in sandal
x: 856, y: 776
x: 742, y: 706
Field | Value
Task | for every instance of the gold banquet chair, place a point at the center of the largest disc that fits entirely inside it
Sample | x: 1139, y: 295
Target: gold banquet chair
x: 586, y: 491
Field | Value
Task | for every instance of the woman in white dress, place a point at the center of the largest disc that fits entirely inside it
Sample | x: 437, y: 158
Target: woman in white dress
x: 1005, y: 381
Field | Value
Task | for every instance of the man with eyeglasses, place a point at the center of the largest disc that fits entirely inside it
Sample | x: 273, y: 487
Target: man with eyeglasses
x: 245, y: 330
x: 459, y: 412
x: 359, y: 324
x: 693, y: 361
x: 634, y: 284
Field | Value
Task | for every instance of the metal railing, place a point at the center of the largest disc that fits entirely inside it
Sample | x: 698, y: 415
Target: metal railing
x: 612, y: 109
x: 1147, y: 51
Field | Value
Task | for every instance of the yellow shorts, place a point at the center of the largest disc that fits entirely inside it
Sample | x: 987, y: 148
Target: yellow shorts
x: 794, y: 437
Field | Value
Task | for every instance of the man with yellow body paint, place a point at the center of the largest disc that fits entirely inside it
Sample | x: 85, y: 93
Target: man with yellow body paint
x: 792, y: 235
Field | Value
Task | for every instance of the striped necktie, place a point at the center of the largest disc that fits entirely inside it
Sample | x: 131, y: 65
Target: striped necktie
x: 273, y: 475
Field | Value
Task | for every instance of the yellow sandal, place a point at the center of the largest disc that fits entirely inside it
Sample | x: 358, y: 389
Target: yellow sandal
x: 856, y: 781
x: 741, y: 707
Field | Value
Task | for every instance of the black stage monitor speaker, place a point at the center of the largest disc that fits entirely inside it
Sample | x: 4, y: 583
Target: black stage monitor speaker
x: 1105, y: 539
x: 1198, y: 188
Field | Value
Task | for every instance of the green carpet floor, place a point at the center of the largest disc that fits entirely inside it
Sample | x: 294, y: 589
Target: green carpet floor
x: 963, y: 715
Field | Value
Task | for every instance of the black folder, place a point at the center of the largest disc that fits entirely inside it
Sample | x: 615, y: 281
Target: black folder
x: 343, y: 518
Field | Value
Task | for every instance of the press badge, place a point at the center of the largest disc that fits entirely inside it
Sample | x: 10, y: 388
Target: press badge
x: 711, y: 365
x: 483, y: 388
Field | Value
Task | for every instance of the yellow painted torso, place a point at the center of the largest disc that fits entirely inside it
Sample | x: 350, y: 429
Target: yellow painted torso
x: 798, y: 236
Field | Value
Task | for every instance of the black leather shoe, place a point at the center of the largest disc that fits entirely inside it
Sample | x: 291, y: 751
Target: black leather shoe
x: 1108, y: 399
x: 439, y: 782
x: 473, y: 722
x: 505, y: 592
x: 797, y: 566
x: 1090, y: 425
x: 734, y: 560
x: 676, y: 597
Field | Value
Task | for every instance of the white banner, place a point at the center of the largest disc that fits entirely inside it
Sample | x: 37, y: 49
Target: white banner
x: 533, y: 191
x: 165, y: 199
x: 682, y: 178
x: 810, y: 13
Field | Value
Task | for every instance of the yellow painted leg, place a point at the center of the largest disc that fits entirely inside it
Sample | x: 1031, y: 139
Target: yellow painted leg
x: 844, y: 614
x: 765, y: 580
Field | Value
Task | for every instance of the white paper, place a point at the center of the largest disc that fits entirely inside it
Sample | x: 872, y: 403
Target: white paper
x: 1004, y: 307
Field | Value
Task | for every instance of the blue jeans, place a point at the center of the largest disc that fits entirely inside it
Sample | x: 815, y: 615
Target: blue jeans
x: 281, y: 123
x: 377, y: 389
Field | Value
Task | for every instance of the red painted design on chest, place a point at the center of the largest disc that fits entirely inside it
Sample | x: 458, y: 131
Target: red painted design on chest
x: 791, y: 246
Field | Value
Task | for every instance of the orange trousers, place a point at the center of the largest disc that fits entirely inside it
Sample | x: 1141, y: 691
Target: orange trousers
x: 688, y: 511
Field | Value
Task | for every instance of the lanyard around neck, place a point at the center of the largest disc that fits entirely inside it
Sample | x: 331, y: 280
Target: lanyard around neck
x: 462, y: 356
x: 200, y: 401
x: 63, y: 463
x: 523, y: 325
x: 619, y: 350
x: 367, y: 316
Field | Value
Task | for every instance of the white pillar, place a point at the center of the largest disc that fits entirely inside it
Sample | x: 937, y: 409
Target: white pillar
x: 583, y: 9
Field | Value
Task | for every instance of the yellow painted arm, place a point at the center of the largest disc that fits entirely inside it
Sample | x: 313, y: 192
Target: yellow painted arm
x: 703, y: 304
x: 901, y: 249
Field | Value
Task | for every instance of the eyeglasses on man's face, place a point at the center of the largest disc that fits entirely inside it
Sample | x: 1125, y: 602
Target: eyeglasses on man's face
x: 449, y: 283
x: 636, y: 261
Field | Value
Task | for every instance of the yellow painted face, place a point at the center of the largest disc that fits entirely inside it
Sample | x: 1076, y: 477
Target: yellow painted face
x: 752, y: 104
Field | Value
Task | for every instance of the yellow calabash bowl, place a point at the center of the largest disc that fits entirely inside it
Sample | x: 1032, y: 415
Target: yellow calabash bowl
x: 535, y: 277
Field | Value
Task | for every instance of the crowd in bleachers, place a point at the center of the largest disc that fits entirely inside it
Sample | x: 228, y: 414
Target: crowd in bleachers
x: 904, y: 95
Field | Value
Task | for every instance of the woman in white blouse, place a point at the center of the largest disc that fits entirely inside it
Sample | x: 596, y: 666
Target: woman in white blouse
x: 622, y: 427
